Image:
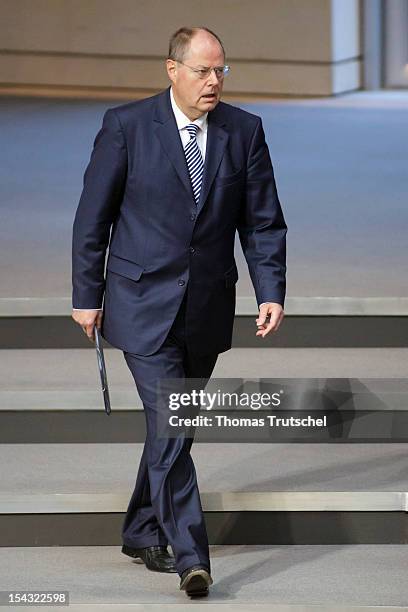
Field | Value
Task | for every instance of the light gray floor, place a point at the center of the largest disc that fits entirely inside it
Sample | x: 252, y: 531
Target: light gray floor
x: 341, y: 174
x: 304, y: 575
x: 112, y: 468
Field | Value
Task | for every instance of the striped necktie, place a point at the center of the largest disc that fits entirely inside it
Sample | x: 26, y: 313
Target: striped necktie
x: 195, y: 162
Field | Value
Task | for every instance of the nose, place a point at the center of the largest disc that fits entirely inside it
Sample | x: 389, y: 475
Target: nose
x: 213, y: 77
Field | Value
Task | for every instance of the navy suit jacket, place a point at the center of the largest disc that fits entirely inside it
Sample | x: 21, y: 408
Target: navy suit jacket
x: 137, y: 187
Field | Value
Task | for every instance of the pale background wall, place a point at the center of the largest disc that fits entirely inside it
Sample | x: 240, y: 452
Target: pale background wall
x: 276, y: 47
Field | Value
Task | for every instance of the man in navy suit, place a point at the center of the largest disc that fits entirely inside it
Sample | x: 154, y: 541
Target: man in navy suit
x: 173, y: 177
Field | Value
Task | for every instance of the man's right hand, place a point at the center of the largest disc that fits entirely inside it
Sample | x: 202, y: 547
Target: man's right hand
x: 87, y: 319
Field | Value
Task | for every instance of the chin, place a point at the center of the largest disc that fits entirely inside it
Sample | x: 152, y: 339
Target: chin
x: 211, y: 104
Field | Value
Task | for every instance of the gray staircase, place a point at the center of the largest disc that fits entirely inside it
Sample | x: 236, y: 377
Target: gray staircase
x: 73, y: 467
x: 299, y: 525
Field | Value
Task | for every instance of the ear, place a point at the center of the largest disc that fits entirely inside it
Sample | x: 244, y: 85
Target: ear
x: 171, y: 67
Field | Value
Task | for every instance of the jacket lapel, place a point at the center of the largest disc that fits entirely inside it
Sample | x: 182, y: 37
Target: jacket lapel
x: 217, y: 139
x: 169, y: 137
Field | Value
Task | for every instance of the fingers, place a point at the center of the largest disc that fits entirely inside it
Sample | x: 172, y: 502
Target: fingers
x: 90, y: 331
x: 264, y: 328
x: 87, y: 320
x: 272, y: 326
x: 263, y: 313
x: 99, y: 320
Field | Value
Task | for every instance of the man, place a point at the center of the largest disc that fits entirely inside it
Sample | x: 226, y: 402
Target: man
x: 174, y: 176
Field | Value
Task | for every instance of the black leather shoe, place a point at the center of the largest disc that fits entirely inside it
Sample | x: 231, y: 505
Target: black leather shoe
x: 195, y: 581
x: 155, y: 558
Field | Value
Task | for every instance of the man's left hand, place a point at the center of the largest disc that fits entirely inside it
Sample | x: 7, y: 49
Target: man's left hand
x: 275, y: 311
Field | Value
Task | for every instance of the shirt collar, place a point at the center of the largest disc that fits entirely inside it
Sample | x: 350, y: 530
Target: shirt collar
x: 182, y: 120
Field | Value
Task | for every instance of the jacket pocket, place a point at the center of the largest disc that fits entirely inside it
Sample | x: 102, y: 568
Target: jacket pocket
x: 231, y: 276
x: 124, y: 267
x: 229, y: 178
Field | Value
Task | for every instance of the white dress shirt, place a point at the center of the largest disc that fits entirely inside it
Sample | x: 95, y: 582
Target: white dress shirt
x: 182, y: 121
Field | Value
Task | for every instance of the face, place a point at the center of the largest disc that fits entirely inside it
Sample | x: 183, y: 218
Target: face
x: 193, y: 95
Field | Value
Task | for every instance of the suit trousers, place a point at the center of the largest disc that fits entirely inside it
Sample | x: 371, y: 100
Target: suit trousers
x: 165, y: 507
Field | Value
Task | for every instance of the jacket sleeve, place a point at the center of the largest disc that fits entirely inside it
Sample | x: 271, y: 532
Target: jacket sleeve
x: 262, y: 228
x: 103, y: 187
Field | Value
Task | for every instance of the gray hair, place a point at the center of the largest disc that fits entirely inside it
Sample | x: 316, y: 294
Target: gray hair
x: 180, y: 42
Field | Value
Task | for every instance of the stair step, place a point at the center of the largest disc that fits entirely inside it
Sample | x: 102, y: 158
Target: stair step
x: 251, y: 468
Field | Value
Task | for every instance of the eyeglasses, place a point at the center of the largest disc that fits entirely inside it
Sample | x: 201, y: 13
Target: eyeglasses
x: 203, y: 73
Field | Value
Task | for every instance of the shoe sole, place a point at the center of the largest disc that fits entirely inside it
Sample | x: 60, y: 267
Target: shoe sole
x: 126, y: 551
x: 196, y: 583
x: 140, y: 561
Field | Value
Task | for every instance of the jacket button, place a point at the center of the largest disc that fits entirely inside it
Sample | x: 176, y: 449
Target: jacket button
x: 193, y: 216
x: 192, y: 249
x: 181, y: 282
